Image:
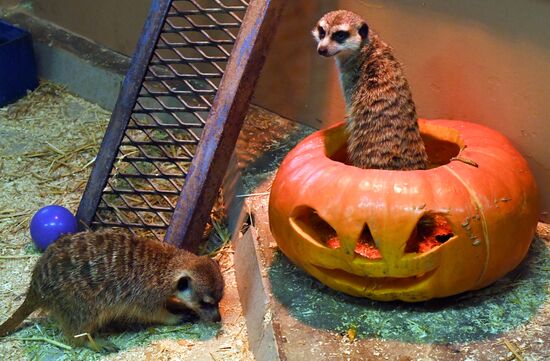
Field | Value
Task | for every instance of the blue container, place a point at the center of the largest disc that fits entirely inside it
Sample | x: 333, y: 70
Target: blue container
x: 17, y: 66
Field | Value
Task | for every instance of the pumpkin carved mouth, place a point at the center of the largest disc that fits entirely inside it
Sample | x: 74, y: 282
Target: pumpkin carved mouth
x: 376, y: 283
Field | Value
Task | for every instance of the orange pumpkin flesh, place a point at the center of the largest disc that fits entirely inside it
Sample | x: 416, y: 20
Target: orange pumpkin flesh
x: 365, y: 246
x: 357, y: 230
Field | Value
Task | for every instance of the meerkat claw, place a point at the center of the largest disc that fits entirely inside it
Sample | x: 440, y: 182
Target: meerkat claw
x: 102, y: 346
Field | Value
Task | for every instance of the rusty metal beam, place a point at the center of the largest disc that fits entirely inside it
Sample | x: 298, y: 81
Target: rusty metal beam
x: 224, y: 123
x: 121, y: 113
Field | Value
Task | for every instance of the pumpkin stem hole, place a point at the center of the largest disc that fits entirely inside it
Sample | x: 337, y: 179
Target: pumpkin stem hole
x: 431, y: 231
x: 440, y: 151
x: 316, y: 227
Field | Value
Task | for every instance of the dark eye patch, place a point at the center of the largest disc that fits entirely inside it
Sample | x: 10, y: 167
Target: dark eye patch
x: 183, y: 284
x: 322, y: 32
x: 340, y: 36
x: 206, y: 305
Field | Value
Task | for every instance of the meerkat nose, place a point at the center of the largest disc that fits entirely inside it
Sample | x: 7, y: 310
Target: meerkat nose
x: 217, y: 317
x: 322, y: 51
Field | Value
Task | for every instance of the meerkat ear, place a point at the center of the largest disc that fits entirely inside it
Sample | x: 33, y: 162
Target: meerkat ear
x: 364, y: 30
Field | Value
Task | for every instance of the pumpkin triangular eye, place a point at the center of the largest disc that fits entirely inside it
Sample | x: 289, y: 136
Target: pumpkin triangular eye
x: 314, y: 226
x: 431, y: 231
x: 366, y: 246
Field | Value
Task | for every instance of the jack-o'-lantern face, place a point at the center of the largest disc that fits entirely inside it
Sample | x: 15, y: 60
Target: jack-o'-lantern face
x: 408, y: 235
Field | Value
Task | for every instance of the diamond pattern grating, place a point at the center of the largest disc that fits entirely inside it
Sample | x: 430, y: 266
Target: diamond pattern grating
x: 169, y: 115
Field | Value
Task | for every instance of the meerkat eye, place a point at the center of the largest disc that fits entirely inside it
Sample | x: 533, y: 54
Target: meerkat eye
x: 340, y: 36
x: 321, y: 32
x: 183, y: 284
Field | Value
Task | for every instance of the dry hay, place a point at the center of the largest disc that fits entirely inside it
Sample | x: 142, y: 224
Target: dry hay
x: 48, y: 141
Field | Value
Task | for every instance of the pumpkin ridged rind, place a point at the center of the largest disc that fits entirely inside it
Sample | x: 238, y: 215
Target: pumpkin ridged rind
x: 492, y: 210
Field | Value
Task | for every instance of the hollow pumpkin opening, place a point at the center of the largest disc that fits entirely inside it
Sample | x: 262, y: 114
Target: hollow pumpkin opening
x: 309, y: 221
x: 442, y: 144
x: 365, y: 246
x: 318, y: 230
x: 431, y: 231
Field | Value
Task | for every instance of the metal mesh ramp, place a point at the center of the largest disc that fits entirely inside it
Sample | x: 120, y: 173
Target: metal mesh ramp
x: 177, y: 117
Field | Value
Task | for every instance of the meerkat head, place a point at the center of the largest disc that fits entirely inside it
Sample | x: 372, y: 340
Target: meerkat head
x: 200, y: 288
x: 340, y: 33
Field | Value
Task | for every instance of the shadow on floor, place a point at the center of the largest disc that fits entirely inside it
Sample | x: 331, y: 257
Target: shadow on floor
x: 124, y: 337
x: 507, y: 304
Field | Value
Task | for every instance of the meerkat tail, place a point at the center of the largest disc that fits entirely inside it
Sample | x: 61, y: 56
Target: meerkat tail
x: 26, y: 308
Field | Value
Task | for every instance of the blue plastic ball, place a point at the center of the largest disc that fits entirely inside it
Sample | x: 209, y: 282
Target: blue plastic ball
x: 49, y: 223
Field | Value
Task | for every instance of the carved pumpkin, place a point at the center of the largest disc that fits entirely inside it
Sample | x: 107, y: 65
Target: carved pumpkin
x: 406, y: 235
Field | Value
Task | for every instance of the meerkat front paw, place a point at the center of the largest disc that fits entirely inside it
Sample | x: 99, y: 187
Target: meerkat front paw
x: 101, y: 345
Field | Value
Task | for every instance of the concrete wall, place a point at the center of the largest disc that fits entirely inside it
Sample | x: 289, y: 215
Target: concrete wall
x: 5, y: 3
x: 114, y: 24
x: 484, y: 61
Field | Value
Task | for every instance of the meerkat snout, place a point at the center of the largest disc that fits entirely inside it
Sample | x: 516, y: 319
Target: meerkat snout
x: 322, y: 51
x: 194, y: 289
x: 340, y: 36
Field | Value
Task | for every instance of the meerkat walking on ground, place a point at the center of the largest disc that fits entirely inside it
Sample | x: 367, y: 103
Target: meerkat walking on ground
x: 86, y: 280
x: 382, y: 123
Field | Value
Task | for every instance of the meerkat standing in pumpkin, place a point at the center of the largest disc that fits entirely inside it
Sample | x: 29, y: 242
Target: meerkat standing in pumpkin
x: 89, y: 279
x: 382, y: 123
